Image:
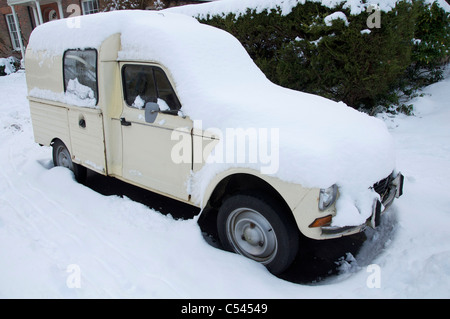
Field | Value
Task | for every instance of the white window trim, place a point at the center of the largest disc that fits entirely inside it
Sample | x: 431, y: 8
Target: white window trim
x: 13, y: 34
x: 91, y: 9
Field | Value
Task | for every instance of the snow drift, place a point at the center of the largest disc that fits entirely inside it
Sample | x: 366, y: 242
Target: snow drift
x: 124, y: 249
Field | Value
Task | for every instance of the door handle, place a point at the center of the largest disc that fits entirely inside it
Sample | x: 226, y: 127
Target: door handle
x: 124, y: 122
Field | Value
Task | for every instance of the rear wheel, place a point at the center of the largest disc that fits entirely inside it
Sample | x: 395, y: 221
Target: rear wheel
x: 62, y: 157
x: 259, y: 229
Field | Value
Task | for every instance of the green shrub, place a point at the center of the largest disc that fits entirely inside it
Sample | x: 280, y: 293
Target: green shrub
x: 339, y: 61
x: 2, y: 70
x: 431, y: 45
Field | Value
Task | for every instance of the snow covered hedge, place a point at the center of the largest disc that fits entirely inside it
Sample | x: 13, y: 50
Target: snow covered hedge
x: 346, y: 51
x: 9, y: 65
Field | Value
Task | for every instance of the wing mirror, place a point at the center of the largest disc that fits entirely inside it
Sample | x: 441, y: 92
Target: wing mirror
x: 151, y: 112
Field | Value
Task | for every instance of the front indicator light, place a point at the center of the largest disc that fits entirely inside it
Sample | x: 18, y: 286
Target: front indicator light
x: 321, y: 221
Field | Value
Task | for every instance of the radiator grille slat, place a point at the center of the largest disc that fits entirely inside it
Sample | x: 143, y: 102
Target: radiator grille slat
x: 382, y: 187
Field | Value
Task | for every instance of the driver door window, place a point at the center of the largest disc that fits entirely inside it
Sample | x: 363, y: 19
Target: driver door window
x: 144, y: 83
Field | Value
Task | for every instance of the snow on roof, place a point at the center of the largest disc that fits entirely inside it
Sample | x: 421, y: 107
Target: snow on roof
x: 316, y: 142
x: 90, y: 31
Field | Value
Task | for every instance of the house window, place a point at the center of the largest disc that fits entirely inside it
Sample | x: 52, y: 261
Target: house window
x: 90, y: 6
x: 13, y: 32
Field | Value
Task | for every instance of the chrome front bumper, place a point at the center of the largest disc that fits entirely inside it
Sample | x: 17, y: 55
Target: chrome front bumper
x: 393, y: 190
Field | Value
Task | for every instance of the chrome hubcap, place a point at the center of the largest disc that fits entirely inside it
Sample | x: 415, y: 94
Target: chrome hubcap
x: 64, y: 159
x: 251, y: 234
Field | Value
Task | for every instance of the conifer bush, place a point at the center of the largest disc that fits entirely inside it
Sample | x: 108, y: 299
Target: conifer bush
x: 343, y: 59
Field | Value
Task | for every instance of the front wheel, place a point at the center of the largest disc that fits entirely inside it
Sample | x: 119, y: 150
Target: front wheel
x: 259, y: 229
x: 61, y: 157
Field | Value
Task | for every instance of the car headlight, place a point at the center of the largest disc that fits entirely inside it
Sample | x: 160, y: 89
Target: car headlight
x: 327, y: 197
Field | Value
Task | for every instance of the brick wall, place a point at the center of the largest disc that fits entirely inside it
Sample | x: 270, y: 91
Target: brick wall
x: 27, y: 23
x: 26, y: 26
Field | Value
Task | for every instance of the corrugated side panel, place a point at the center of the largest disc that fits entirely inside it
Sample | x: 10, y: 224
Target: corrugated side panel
x: 49, y: 122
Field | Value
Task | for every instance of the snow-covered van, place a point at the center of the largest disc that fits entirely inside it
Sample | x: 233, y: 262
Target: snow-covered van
x: 164, y: 102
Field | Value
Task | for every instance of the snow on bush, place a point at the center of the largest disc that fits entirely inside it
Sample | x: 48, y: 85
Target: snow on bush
x: 8, y: 65
x: 335, y: 16
x: 240, y: 7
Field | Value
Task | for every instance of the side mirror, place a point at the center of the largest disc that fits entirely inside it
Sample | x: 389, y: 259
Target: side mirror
x: 151, y: 112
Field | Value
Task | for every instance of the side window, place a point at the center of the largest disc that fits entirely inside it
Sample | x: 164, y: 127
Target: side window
x: 138, y: 85
x: 80, y: 74
x: 144, y: 83
x: 165, y: 90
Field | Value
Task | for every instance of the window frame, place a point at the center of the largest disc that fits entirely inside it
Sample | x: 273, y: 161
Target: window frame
x: 12, y: 24
x: 96, y: 71
x: 153, y: 67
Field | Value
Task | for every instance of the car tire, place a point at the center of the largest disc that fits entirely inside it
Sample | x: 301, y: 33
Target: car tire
x: 260, y: 229
x: 62, y: 157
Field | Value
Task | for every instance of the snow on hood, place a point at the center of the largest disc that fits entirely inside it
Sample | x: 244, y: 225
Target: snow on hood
x: 321, y: 142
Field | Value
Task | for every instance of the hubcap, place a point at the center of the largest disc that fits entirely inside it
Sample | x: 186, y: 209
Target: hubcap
x: 251, y: 234
x: 64, y: 159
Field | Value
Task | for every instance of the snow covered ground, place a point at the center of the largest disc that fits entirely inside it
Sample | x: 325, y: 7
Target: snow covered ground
x: 60, y: 239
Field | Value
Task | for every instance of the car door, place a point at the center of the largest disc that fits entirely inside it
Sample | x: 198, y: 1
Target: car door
x: 85, y: 121
x: 148, y: 145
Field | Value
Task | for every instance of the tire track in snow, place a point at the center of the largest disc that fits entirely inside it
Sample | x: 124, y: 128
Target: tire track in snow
x: 36, y: 220
x: 30, y: 199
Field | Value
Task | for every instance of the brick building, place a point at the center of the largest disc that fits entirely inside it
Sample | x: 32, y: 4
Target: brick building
x: 19, y: 17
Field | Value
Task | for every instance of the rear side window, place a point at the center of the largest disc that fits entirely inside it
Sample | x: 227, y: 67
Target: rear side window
x: 145, y: 83
x: 80, y: 76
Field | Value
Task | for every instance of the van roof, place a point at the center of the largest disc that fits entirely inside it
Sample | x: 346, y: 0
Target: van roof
x: 192, y: 52
x: 188, y: 49
x: 89, y: 31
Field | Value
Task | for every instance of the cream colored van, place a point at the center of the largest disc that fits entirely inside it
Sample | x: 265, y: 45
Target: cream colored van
x: 118, y: 93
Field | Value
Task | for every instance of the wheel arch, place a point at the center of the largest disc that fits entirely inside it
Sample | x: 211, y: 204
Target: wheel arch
x: 62, y: 140
x: 79, y: 171
x: 244, y: 182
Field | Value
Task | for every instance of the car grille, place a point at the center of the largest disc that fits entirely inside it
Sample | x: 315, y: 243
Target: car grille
x: 382, y: 187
